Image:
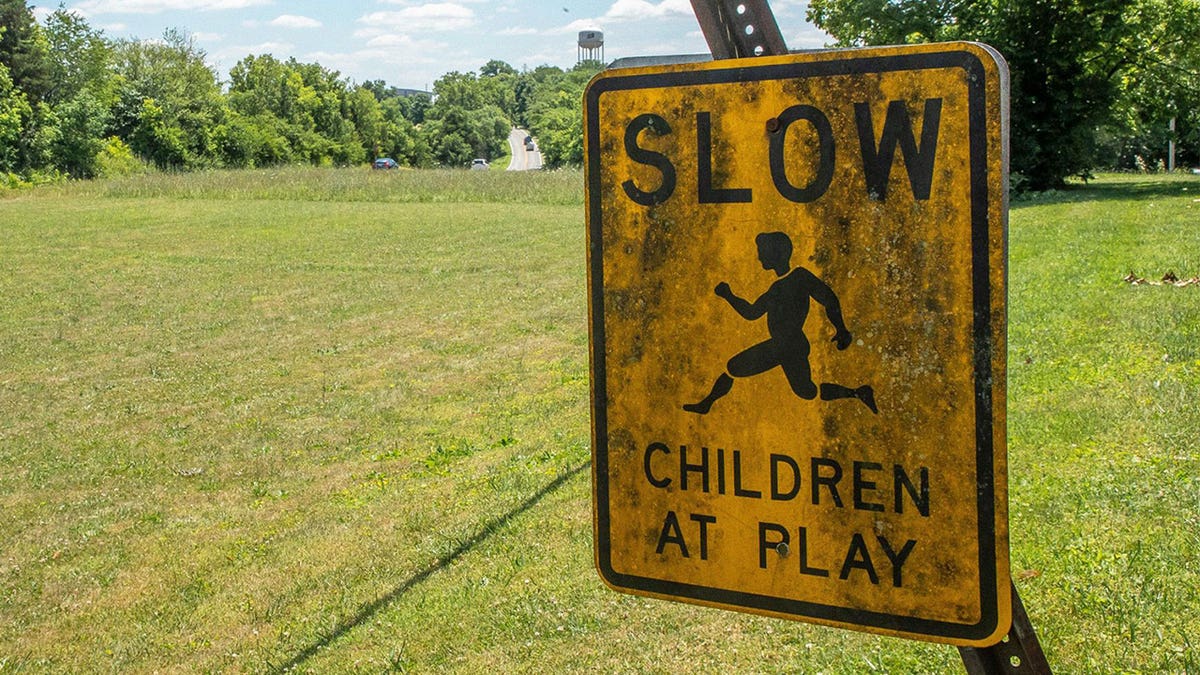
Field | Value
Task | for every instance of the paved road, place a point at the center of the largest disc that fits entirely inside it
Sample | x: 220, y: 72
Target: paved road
x: 522, y: 159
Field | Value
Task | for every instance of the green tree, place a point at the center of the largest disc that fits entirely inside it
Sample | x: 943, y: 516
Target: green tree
x: 1070, y: 60
x: 15, y: 113
x: 318, y: 112
x: 414, y: 107
x: 1165, y: 85
x: 23, y: 50
x: 366, y: 112
x: 464, y: 122
x: 168, y: 101
x: 80, y: 139
x: 402, y: 139
x: 527, y: 88
x: 499, y: 80
x: 81, y: 59
x: 456, y: 135
x: 27, y: 130
x: 553, y: 111
x: 252, y: 141
x: 257, y: 85
x: 156, y: 138
x: 83, y: 93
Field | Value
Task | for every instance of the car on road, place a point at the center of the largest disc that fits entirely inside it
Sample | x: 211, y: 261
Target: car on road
x: 385, y: 163
x: 479, y: 165
x: 529, y: 143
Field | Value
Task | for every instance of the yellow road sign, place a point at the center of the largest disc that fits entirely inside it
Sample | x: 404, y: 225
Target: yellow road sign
x: 797, y: 316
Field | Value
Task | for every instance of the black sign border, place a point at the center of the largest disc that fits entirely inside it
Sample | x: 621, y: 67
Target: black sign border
x: 985, y: 379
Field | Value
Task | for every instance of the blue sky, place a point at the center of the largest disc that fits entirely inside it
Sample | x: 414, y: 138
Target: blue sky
x: 410, y: 43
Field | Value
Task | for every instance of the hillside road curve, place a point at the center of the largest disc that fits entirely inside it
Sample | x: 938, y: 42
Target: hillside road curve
x: 522, y: 159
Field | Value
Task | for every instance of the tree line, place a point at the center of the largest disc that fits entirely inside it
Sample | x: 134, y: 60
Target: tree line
x: 1095, y: 83
x: 76, y: 103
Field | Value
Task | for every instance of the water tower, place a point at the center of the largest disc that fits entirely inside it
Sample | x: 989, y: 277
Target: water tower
x: 591, y: 45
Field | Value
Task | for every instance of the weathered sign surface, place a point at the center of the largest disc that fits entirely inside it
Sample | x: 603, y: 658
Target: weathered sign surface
x: 797, y: 313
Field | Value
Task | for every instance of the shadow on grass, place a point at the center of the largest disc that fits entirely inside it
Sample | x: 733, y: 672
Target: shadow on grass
x: 1124, y: 188
x: 368, y: 610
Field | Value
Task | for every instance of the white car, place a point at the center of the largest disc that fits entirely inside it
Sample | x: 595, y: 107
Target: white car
x: 479, y: 165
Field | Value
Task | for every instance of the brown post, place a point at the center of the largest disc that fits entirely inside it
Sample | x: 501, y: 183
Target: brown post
x: 739, y: 28
x: 1018, y: 653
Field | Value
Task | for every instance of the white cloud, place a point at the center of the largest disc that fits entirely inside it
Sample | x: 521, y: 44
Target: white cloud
x: 810, y: 38
x: 396, y: 59
x: 440, y: 16
x: 518, y: 30
x: 637, y: 10
x: 294, y: 21
x: 91, y: 7
x: 207, y: 37
x: 624, y: 11
x: 577, y: 25
x: 396, y: 41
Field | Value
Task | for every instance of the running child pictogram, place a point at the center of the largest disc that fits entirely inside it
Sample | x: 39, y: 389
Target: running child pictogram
x: 786, y: 305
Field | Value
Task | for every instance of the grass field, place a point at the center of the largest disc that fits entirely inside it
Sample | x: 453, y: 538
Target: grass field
x: 336, y: 421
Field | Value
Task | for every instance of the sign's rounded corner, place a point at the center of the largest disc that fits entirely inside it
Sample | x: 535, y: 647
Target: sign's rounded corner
x: 988, y: 57
x: 600, y: 83
x: 610, y: 576
x: 987, y: 633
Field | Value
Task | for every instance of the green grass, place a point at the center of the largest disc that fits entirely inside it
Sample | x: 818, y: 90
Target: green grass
x: 336, y: 420
x: 1104, y: 433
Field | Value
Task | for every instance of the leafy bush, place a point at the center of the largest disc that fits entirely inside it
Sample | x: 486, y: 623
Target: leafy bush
x: 116, y: 159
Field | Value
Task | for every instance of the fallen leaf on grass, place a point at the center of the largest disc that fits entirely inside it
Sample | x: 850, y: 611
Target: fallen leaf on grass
x: 1168, y: 279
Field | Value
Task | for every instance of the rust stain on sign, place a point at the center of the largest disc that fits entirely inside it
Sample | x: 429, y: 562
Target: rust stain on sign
x: 797, y: 311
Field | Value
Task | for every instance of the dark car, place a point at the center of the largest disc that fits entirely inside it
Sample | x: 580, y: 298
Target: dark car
x: 385, y: 163
x: 529, y: 143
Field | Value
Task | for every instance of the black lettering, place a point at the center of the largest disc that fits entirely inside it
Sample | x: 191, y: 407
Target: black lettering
x: 920, y: 498
x: 830, y: 481
x: 825, y: 154
x: 721, y: 471
x: 671, y: 535
x: 704, y: 522
x: 776, y: 493
x: 897, y: 129
x: 765, y: 544
x: 804, y: 566
x: 857, y: 557
x: 737, y: 479
x: 861, y: 485
x: 709, y: 194
x: 896, y: 558
x: 685, y: 468
x: 651, y: 449
x: 659, y: 126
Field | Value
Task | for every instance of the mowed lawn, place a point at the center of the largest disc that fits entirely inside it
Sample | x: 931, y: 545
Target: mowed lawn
x: 334, y: 421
